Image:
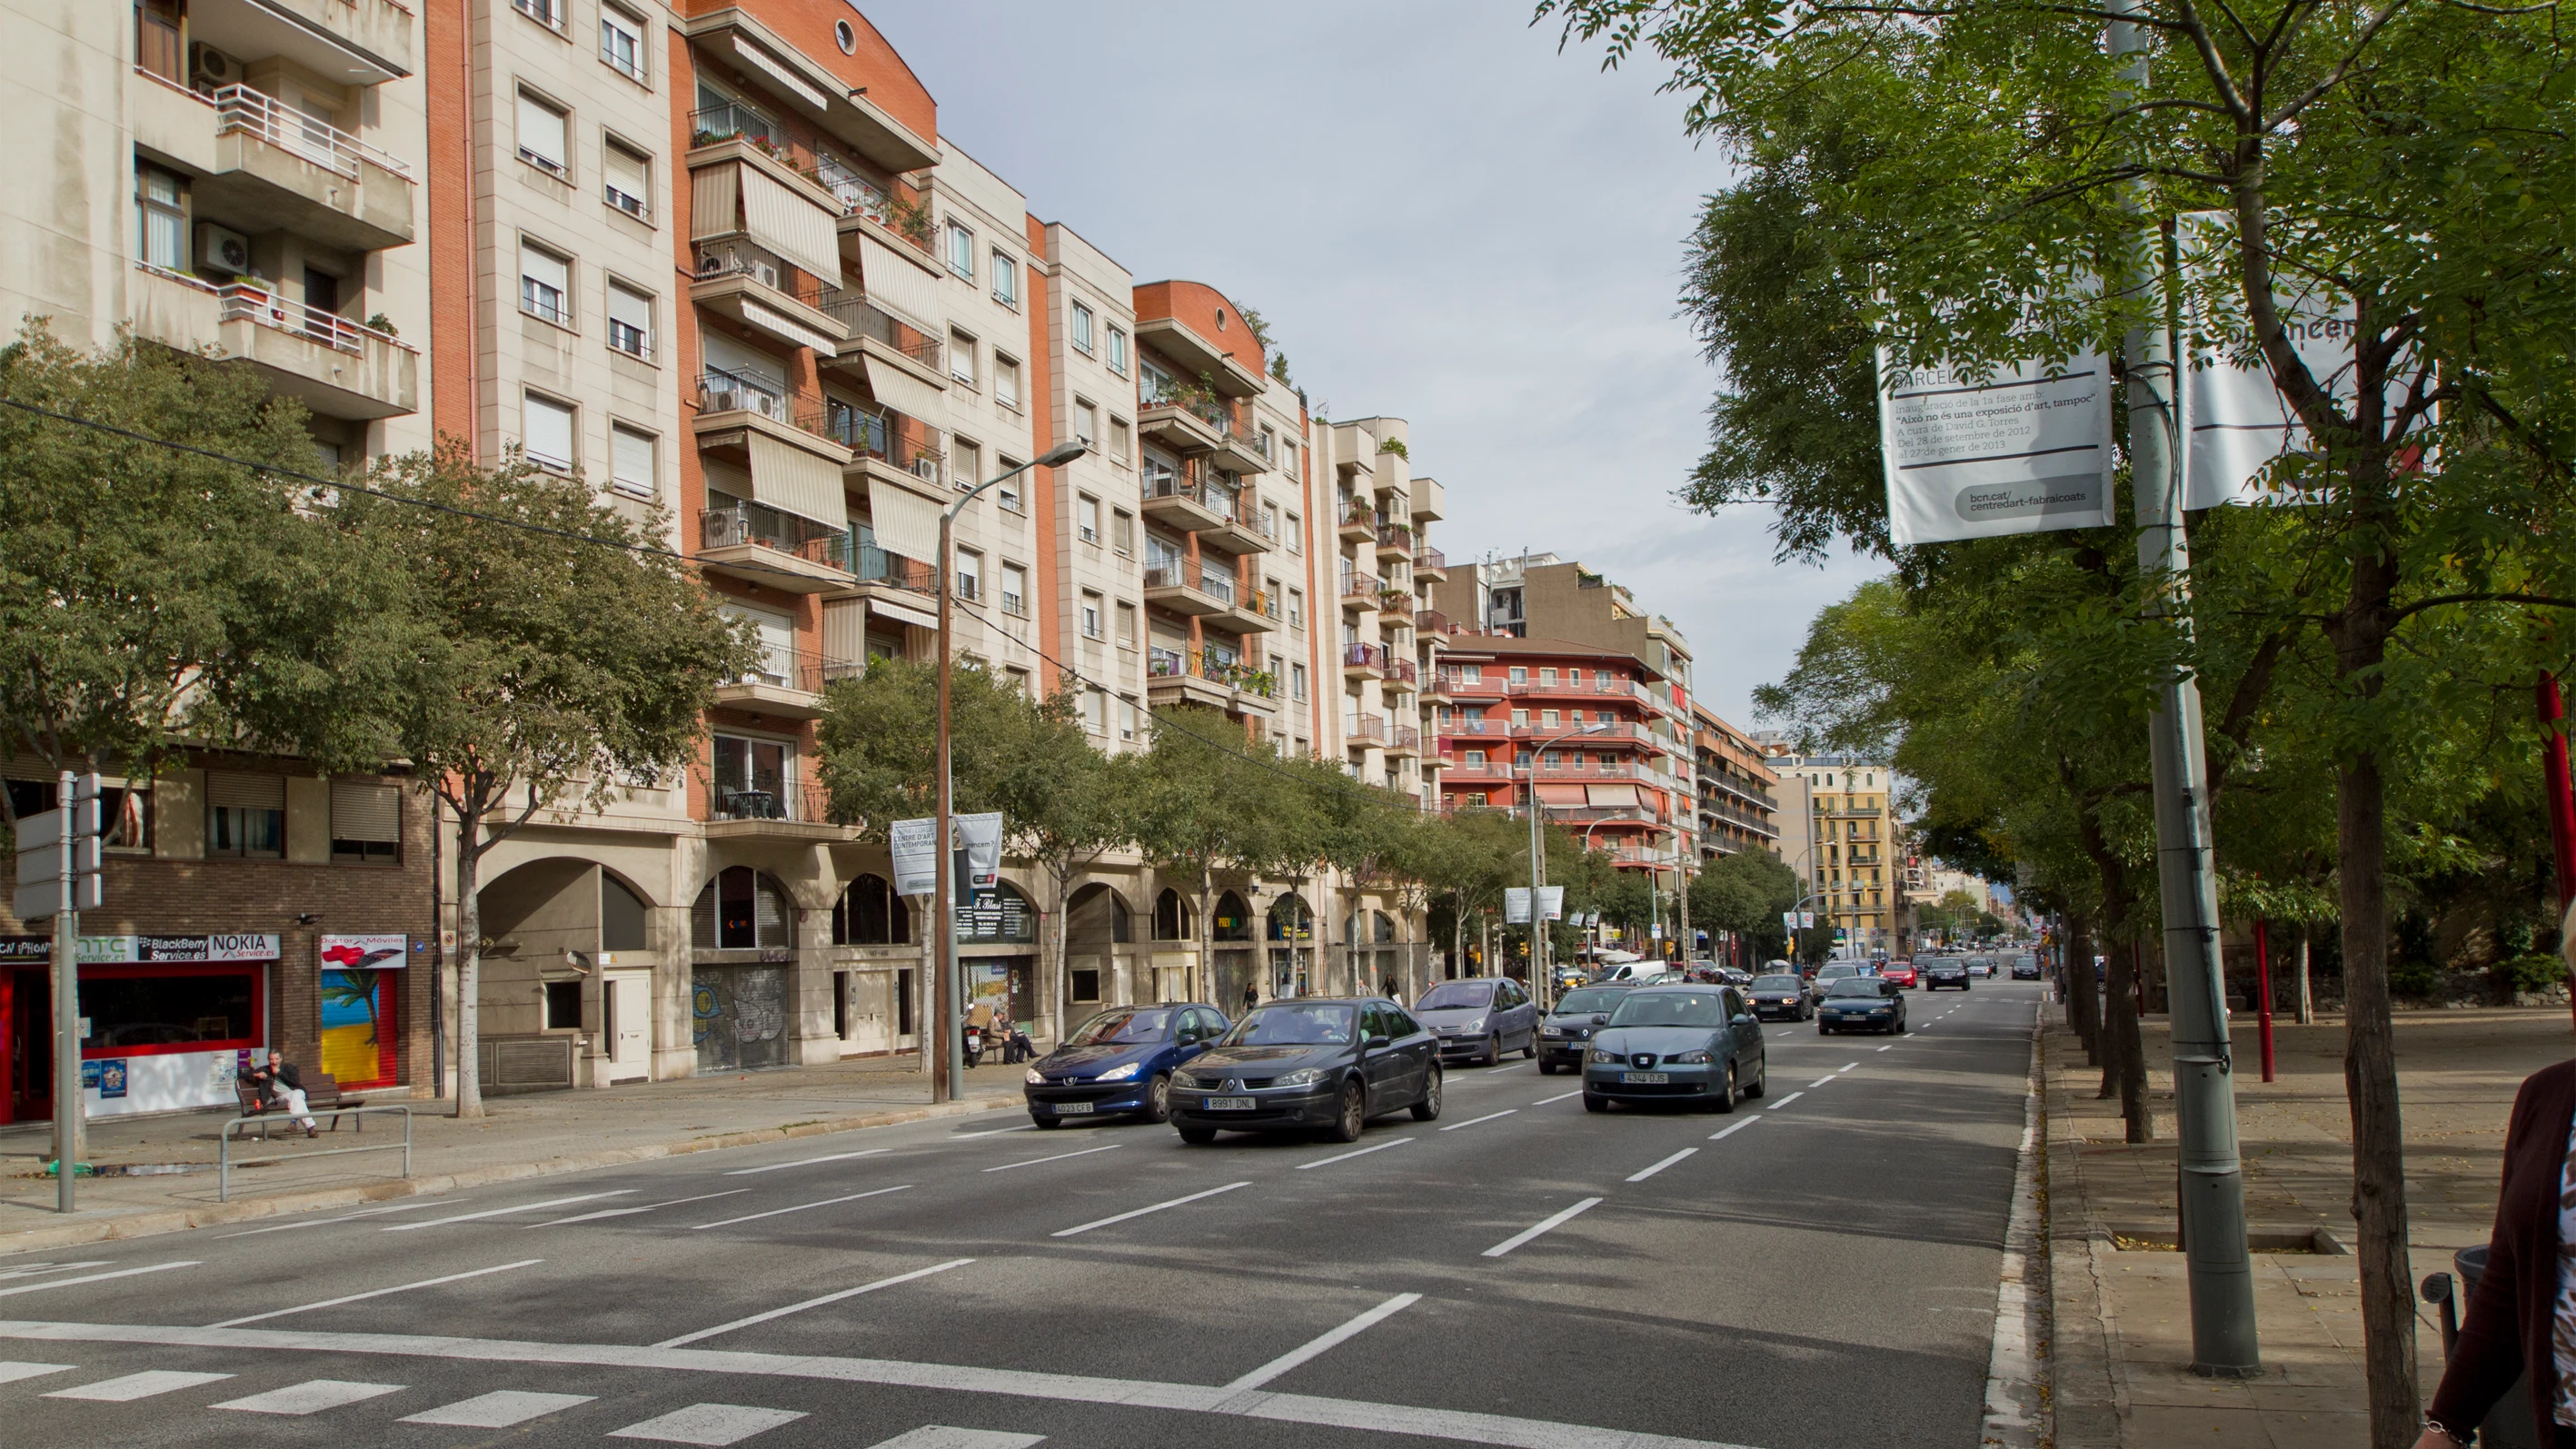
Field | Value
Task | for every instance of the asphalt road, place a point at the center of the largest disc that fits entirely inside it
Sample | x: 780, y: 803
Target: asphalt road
x: 1816, y: 1269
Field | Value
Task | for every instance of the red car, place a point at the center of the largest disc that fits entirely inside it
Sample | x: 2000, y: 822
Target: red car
x: 1900, y: 972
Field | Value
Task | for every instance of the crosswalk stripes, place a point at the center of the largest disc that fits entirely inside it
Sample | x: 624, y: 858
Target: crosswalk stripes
x: 129, y: 1387
x: 500, y: 1409
x: 310, y: 1397
x: 708, y: 1424
x: 11, y: 1372
x: 939, y: 1436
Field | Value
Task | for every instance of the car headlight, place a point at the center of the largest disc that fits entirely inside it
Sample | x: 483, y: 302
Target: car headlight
x: 1693, y: 1059
x: 1474, y: 1027
x: 1035, y: 1078
x: 1599, y: 1055
x: 1553, y: 1031
x: 1195, y: 1084
x: 1120, y: 1073
x: 1304, y: 1078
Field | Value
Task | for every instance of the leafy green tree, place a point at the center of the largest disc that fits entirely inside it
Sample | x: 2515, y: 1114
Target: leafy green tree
x: 1745, y: 894
x: 1203, y: 809
x: 1462, y: 858
x: 555, y: 657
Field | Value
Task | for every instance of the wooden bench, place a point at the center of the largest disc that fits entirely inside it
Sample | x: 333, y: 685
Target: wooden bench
x: 321, y: 1094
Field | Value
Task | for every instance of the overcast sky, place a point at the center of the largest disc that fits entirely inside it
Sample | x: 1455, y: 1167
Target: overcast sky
x: 1442, y: 219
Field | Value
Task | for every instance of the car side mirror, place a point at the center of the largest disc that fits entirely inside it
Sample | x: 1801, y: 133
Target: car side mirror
x: 1601, y: 1020
x: 1744, y: 1018
x: 1380, y: 1043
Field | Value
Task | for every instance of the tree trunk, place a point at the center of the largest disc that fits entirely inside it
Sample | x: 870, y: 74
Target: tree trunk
x: 469, y: 963
x: 1058, y: 991
x: 2123, y: 1055
x: 2307, y: 995
x: 1207, y: 936
x: 2083, y: 993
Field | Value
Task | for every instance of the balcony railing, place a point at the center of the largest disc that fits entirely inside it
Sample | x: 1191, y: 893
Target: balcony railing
x: 881, y: 435
x: 796, y: 800
x: 718, y: 260
x: 785, y: 532
x: 244, y: 302
x: 1364, y: 656
x: 1406, y: 738
x: 1393, y: 600
x: 1366, y: 727
x: 861, y: 197
x: 1395, y: 536
x: 1430, y: 560
x: 1432, y: 621
x: 866, y: 319
x: 876, y: 566
x: 1162, y: 663
x: 720, y: 391
x: 804, y: 672
x: 1402, y: 671
x: 1190, y: 400
x: 256, y: 113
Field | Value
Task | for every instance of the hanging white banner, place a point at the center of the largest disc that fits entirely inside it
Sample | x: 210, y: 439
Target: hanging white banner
x: 2026, y: 451
x: 915, y: 847
x: 1516, y: 905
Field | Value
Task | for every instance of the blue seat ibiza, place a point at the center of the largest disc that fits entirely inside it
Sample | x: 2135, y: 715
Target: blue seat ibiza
x: 1119, y: 1063
x: 1695, y: 1044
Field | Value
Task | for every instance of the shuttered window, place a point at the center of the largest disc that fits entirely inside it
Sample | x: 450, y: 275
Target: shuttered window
x: 548, y: 433
x: 245, y: 815
x: 366, y: 822
x: 631, y: 466
x: 541, y: 136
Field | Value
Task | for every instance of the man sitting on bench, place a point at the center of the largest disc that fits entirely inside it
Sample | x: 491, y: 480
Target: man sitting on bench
x: 280, y: 1086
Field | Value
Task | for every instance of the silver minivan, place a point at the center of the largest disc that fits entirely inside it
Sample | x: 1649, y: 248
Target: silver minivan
x: 1480, y: 1018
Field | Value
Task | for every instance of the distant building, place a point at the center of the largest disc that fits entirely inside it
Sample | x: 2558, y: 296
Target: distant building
x: 1839, y: 831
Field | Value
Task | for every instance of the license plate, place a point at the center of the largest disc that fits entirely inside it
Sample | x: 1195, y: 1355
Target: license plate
x: 1646, y: 1079
x: 1228, y: 1104
x: 1073, y: 1109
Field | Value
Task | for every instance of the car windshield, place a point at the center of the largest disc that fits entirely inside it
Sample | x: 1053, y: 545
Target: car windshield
x: 1855, y: 986
x: 1454, y: 995
x: 1775, y: 983
x: 1591, y: 1001
x: 1314, y: 1024
x: 1834, y: 972
x: 1121, y: 1027
x: 1670, y: 1008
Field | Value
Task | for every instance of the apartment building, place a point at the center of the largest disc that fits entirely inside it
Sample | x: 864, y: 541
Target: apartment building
x: 1839, y: 831
x: 241, y: 180
x: 1738, y: 804
x: 1586, y: 718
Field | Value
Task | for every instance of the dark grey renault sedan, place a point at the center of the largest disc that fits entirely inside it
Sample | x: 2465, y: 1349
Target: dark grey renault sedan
x: 1695, y: 1044
x: 1306, y: 1063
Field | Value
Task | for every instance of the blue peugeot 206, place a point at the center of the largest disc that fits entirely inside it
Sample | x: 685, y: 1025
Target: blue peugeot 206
x: 1119, y: 1063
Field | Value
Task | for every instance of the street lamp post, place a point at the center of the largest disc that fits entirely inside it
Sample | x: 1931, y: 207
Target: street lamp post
x: 1542, y: 986
x: 948, y: 1063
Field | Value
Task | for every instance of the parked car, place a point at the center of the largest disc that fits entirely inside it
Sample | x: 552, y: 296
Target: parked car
x: 1861, y: 1003
x: 1309, y: 1062
x: 1119, y: 1063
x: 1780, y: 998
x: 1695, y: 1044
x: 1578, y: 1013
x: 1481, y: 1018
x: 1947, y: 971
x: 1900, y: 972
x: 2025, y: 968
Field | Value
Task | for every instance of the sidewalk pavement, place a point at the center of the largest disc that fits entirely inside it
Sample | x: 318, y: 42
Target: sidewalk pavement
x: 2121, y: 1345
x: 522, y: 1136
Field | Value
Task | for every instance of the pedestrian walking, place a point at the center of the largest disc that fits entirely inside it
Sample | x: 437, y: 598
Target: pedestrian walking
x: 1251, y: 996
x: 2522, y: 1318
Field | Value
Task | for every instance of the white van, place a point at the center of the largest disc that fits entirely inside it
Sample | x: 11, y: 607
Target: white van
x: 1637, y: 973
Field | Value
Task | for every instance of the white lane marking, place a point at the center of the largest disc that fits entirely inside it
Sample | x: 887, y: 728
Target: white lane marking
x: 38, y: 1270
x: 1472, y: 1121
x: 684, y: 1340
x: 128, y: 1388
x: 96, y: 1277
x: 1667, y: 1162
x: 991, y: 1132
x: 1140, y: 1212
x: 1785, y: 1101
x: 708, y: 1424
x: 1725, y: 1132
x: 805, y: 1162
x: 310, y: 1397
x: 1850, y: 1067
x: 378, y: 1293
x: 1059, y: 1157
x: 1820, y: 1082
x: 525, y: 1207
x: 800, y: 1207
x: 1891, y: 1046
x: 941, y: 1436
x: 631, y: 1211
x: 1340, y: 1414
x: 500, y: 1409
x: 409, y: 1207
x: 1323, y: 1343
x: 1547, y: 1225
x: 10, y: 1372
x: 1559, y: 1097
x: 1362, y: 1152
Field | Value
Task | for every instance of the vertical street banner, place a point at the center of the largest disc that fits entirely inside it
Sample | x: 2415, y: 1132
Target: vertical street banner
x: 1516, y: 902
x: 2026, y: 450
x: 914, y: 845
x: 1551, y: 902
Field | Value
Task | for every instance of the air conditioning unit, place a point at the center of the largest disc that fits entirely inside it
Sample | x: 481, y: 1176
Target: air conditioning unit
x: 723, y: 528
x: 210, y: 66
x: 768, y: 405
x: 221, y: 249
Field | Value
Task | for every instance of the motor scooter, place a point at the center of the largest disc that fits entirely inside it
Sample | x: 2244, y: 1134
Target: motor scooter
x: 974, y: 1044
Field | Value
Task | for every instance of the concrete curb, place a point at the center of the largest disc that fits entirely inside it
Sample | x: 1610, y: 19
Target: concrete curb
x: 2017, y: 1397
x: 179, y: 1220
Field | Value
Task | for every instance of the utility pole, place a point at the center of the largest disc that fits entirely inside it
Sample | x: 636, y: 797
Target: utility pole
x: 59, y: 876
x: 2211, y: 1178
x: 1542, y: 981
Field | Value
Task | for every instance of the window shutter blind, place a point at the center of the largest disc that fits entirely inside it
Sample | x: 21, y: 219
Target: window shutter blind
x: 549, y: 431
x: 631, y: 307
x: 253, y: 792
x: 545, y: 267
x: 360, y: 811
x: 632, y: 464
x: 541, y: 129
x: 626, y: 172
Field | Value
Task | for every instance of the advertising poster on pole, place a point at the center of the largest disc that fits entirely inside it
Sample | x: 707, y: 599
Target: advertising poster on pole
x: 915, y: 847
x: 2026, y: 449
x: 1516, y: 904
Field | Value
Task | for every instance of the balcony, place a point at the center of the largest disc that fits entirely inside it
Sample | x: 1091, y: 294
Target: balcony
x: 1174, y: 676
x: 272, y: 166
x: 814, y: 94
x: 1173, y: 587
x: 1240, y: 529
x: 749, y: 284
x: 329, y: 363
x: 1184, y: 422
x: 1239, y: 446
x: 1433, y: 564
x: 1394, y: 540
x: 1196, y: 355
x: 900, y: 588
x: 353, y: 42
x: 1395, y: 602
x: 898, y: 219
x: 732, y: 406
x: 1401, y: 675
x: 786, y: 686
x: 1404, y: 740
x: 1363, y: 661
x: 774, y: 550
x: 1180, y: 500
x: 880, y: 336
x: 1358, y: 522
x: 1429, y: 499
x: 1368, y: 730
x: 889, y: 445
x: 1359, y: 591
x: 1254, y: 611
x: 774, y: 810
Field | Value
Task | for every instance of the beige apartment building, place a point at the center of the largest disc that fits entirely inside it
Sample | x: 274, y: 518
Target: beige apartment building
x: 1839, y: 831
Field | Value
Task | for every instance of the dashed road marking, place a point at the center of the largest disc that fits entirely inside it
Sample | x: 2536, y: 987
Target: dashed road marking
x: 684, y: 1340
x: 800, y: 1207
x: 1347, y: 1156
x: 1546, y: 1225
x: 1472, y: 1121
x: 1323, y: 1343
x: 1660, y: 1166
x: 806, y: 1162
x: 1785, y: 1101
x: 1142, y: 1211
x: 376, y: 1293
x: 712, y: 1424
x: 129, y: 1387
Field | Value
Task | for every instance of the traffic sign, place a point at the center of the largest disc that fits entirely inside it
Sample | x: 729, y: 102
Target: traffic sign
x: 59, y: 861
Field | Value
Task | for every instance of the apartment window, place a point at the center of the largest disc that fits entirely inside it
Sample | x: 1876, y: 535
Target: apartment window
x: 1297, y: 682
x: 1126, y: 719
x: 970, y: 574
x: 1126, y: 625
x: 542, y: 141
x: 1082, y: 329
x: 156, y: 39
x: 1574, y: 676
x: 961, y: 251
x: 1015, y: 590
x: 1473, y: 674
x: 1122, y: 532
x: 1288, y: 459
x: 1121, y: 441
x: 1520, y: 717
x: 1296, y: 535
x: 1296, y: 608
x: 1095, y: 711
x: 1547, y: 719
x: 545, y: 284
x: 966, y: 463
x: 1091, y: 616
x: 366, y: 823
x: 1006, y: 280
x: 1086, y: 423
x: 548, y: 13
x: 961, y: 357
x: 1086, y: 517
x: 1117, y: 352
x: 630, y: 320
x: 1520, y: 675
x: 621, y: 42
x: 546, y: 433
x: 630, y: 460
x: 1547, y: 676
x: 164, y: 221
x: 1006, y: 381
x: 628, y: 185
x: 245, y: 815
x: 1475, y: 757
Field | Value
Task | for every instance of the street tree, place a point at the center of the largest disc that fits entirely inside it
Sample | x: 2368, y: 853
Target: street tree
x: 556, y: 657
x: 1205, y: 806
x: 1744, y: 894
